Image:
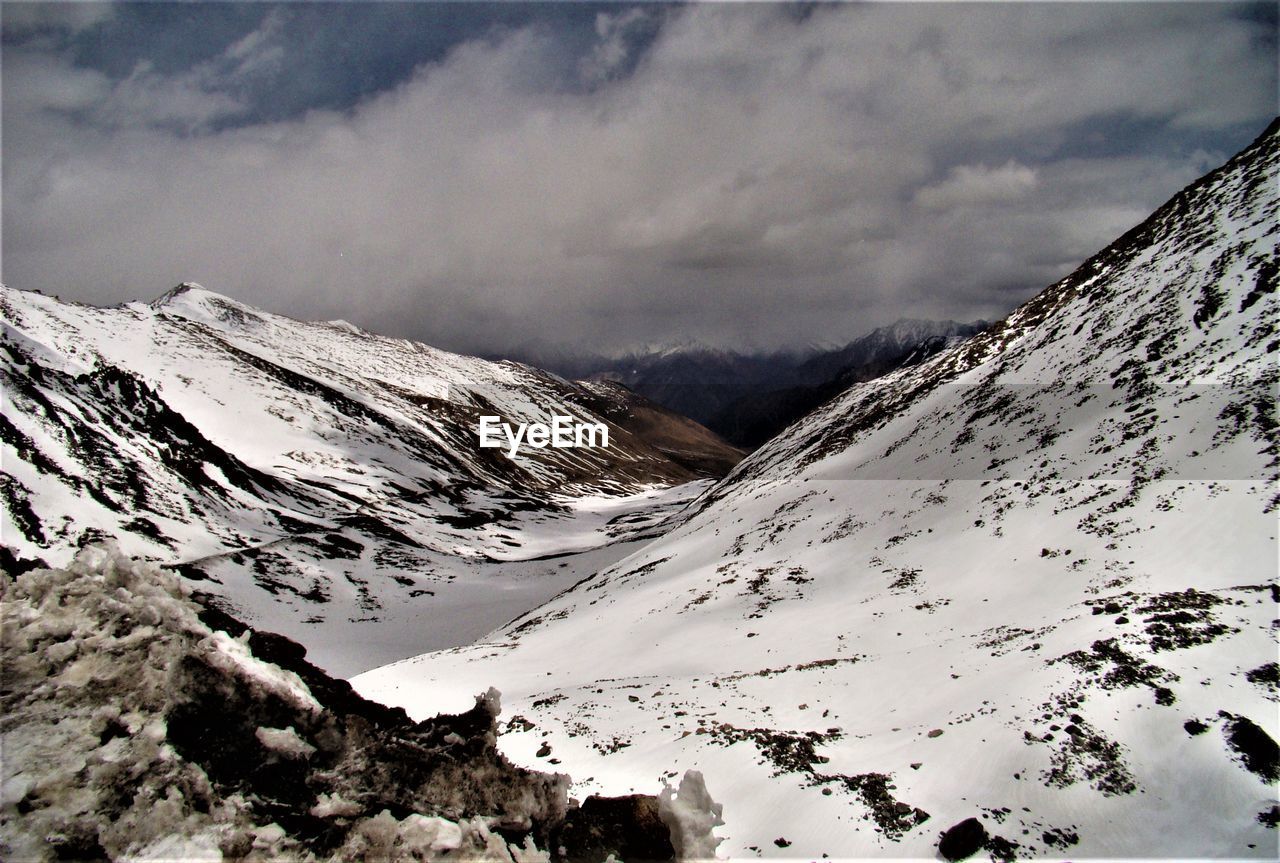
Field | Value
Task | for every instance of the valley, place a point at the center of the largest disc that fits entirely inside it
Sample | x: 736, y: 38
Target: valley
x: 321, y: 482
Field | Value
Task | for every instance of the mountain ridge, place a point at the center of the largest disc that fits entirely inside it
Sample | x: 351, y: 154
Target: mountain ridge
x: 306, y: 472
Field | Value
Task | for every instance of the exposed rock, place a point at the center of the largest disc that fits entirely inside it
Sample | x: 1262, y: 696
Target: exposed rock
x: 629, y: 828
x: 962, y: 840
x: 1257, y: 751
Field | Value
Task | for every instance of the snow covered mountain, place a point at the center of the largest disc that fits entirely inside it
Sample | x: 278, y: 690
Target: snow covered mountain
x: 1017, y: 600
x: 884, y: 346
x: 324, y: 481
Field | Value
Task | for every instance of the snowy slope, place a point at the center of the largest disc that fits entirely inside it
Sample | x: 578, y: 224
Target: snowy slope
x: 323, y: 480
x: 1030, y: 581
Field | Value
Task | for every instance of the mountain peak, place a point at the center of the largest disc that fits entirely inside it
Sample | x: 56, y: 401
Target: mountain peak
x: 194, y: 301
x: 173, y: 293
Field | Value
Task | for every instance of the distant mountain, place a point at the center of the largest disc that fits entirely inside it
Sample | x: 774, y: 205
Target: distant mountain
x: 885, y: 348
x: 748, y: 397
x: 699, y: 381
x: 754, y: 418
x: 1018, y: 600
x: 316, y: 477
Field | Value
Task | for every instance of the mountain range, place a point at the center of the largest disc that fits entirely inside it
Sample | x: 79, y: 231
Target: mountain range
x: 1010, y: 594
x: 321, y: 481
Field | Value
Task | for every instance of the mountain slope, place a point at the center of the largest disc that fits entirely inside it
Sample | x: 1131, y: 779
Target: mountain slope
x: 312, y: 474
x: 1023, y: 592
x: 679, y: 438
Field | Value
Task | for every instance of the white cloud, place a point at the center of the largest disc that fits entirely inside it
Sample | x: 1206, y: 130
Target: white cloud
x: 968, y: 185
x: 753, y: 177
x: 43, y: 80
x: 46, y: 82
x: 147, y: 98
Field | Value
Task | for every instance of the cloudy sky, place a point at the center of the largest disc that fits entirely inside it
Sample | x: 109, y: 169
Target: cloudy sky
x: 486, y: 177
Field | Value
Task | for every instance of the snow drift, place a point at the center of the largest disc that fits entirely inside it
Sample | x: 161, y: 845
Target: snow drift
x: 138, y: 725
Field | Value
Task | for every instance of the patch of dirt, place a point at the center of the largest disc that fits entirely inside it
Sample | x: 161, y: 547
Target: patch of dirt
x: 796, y: 752
x: 1179, y: 620
x: 787, y: 751
x: 1107, y: 665
x: 1084, y: 754
x: 892, y: 817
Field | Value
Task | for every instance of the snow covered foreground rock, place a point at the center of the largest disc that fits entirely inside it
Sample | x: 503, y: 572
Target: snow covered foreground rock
x: 1019, y: 600
x: 138, y: 725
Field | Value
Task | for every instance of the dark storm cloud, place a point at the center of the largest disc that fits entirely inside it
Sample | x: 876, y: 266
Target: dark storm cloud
x: 481, y: 177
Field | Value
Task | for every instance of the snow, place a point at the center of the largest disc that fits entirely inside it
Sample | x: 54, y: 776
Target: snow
x: 449, y: 600
x: 385, y: 837
x: 132, y: 759
x: 233, y: 655
x: 692, y: 816
x: 285, y: 741
x: 334, y: 805
x: 67, y: 750
x: 201, y: 848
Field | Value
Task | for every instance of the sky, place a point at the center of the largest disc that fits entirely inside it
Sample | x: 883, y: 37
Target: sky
x: 515, y: 177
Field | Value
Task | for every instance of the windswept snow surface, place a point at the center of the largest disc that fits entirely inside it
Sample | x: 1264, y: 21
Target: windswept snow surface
x: 1031, y: 581
x: 325, y: 482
